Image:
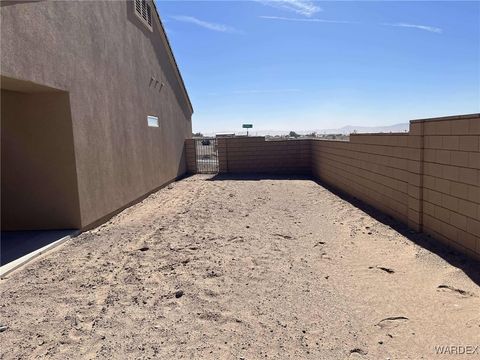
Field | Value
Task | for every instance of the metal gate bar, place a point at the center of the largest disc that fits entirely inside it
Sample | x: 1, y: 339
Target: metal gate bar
x: 207, y: 155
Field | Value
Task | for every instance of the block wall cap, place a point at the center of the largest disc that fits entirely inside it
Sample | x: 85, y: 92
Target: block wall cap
x: 453, y: 117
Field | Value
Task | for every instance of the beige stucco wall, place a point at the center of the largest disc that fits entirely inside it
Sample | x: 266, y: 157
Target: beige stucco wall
x: 108, y: 61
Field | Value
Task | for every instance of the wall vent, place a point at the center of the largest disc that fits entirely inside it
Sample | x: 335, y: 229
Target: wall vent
x: 144, y: 12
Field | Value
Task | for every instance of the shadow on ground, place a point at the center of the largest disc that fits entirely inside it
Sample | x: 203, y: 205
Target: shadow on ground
x: 469, y: 266
x: 15, y: 244
x: 259, y: 176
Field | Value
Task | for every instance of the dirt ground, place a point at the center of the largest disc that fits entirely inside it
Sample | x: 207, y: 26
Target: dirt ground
x: 241, y: 269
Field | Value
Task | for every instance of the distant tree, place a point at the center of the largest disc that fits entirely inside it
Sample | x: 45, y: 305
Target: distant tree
x: 293, y: 134
x: 198, y: 134
x: 313, y: 134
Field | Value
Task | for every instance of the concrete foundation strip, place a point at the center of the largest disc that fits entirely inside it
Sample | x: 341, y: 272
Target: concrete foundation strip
x: 14, y: 265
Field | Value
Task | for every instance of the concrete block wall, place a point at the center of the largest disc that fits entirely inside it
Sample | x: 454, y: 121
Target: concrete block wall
x: 451, y: 180
x: 191, y: 156
x: 255, y: 155
x: 428, y: 178
x: 376, y: 169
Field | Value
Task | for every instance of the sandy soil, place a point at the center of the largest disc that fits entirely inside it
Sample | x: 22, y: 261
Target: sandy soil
x: 240, y: 269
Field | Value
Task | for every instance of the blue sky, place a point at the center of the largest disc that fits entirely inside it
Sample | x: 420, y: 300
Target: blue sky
x: 301, y: 65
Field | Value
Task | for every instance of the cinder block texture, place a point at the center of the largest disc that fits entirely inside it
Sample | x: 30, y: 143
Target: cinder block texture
x: 255, y: 155
x: 451, y: 181
x: 191, y: 156
x: 428, y: 178
x: 375, y: 168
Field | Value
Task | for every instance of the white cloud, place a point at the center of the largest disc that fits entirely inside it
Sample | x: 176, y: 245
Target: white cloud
x: 280, y: 18
x: 263, y: 91
x: 205, y: 24
x: 302, y: 7
x: 420, y: 27
x: 317, y: 20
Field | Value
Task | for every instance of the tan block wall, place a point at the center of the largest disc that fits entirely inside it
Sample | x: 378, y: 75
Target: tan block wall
x: 376, y: 169
x: 255, y: 155
x: 191, y: 156
x: 428, y: 178
x: 451, y: 181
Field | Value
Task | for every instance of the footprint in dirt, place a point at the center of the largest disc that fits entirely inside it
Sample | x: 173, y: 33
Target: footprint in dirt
x: 461, y: 292
x: 283, y: 236
x: 325, y: 256
x: 391, y: 322
x: 473, y: 323
x: 359, y: 351
x: 383, y: 268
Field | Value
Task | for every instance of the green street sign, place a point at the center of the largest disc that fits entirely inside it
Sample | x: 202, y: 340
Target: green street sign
x: 247, y: 126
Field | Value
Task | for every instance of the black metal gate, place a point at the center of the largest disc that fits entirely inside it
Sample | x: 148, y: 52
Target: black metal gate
x: 207, y: 155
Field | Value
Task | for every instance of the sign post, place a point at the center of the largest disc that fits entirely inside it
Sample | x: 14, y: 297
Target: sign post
x: 247, y: 126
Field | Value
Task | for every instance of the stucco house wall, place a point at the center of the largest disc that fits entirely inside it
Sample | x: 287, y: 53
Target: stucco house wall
x: 112, y: 66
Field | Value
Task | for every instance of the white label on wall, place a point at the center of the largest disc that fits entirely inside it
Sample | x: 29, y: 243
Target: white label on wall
x: 152, y: 121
